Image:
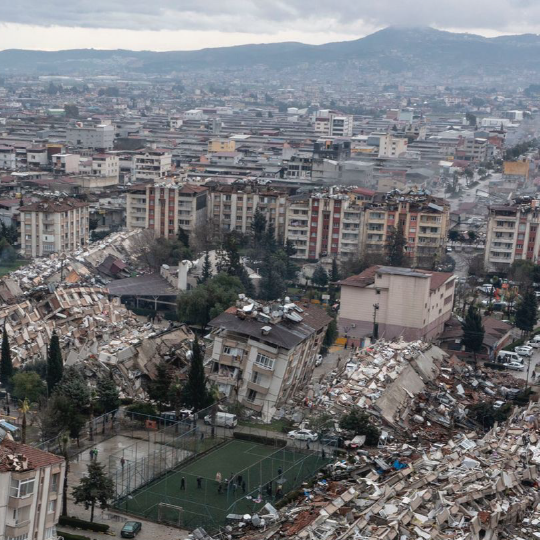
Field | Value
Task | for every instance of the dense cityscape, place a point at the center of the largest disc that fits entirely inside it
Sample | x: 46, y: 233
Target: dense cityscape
x: 271, y: 291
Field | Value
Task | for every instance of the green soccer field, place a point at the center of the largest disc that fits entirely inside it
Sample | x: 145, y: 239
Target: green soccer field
x: 258, y: 466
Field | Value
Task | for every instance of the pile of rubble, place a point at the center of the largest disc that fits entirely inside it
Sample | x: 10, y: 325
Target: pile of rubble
x: 470, y: 488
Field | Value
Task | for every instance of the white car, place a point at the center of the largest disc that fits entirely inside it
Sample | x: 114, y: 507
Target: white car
x: 534, y: 344
x: 303, y: 435
x: 524, y: 350
x: 498, y: 404
x: 515, y: 366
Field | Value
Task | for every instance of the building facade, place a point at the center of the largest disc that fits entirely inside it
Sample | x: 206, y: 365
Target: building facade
x: 261, y: 354
x: 151, y: 165
x: 100, y: 137
x: 31, y: 486
x: 512, y: 233
x: 54, y: 225
x: 413, y: 304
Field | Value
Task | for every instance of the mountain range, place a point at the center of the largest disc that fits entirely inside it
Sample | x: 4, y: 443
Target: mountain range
x: 391, y: 49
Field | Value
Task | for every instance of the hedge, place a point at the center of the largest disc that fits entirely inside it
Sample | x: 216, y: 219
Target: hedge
x: 260, y: 439
x: 68, y: 536
x: 83, y: 524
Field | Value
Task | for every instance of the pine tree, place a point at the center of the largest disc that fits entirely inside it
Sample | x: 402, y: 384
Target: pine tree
x: 107, y: 393
x: 395, y: 246
x: 206, y: 269
x: 95, y: 488
x: 196, y: 394
x: 527, y: 312
x: 55, y: 364
x: 272, y: 285
x: 334, y: 276
x: 6, y: 365
x: 158, y: 389
x: 183, y: 237
x: 320, y: 276
x: 258, y: 228
x: 473, y: 331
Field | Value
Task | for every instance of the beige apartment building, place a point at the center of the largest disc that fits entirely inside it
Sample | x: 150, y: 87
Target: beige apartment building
x: 231, y: 208
x: 216, y: 146
x: 343, y: 223
x: 53, y: 226
x: 262, y: 354
x: 151, y: 165
x: 413, y: 304
x: 165, y: 208
x: 512, y: 233
x: 31, y: 486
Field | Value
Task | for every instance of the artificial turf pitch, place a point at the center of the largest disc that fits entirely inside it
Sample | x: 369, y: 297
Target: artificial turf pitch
x: 258, y: 465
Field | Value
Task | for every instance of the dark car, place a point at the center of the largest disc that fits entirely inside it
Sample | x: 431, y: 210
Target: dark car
x: 131, y: 529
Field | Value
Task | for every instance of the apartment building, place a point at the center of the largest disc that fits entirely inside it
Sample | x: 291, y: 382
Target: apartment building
x: 401, y: 302
x: 391, y: 146
x: 100, y: 137
x: 263, y: 353
x: 231, y: 207
x: 221, y: 145
x: 31, y: 486
x: 333, y: 124
x: 8, y: 158
x: 66, y: 163
x: 165, y: 208
x: 107, y: 165
x: 151, y: 165
x: 512, y: 233
x: 345, y: 222
x: 54, y: 225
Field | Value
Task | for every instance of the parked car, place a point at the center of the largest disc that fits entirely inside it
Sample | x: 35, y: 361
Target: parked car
x: 303, y: 435
x: 515, y: 366
x: 524, y: 350
x: 508, y: 356
x: 498, y: 404
x: 131, y: 529
x: 222, y: 420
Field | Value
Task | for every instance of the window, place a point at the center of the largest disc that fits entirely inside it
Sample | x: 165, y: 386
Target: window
x: 55, y: 480
x: 256, y: 377
x: 20, y: 537
x: 51, y: 507
x: 21, y: 488
x: 252, y: 396
x: 264, y: 361
x: 50, y: 533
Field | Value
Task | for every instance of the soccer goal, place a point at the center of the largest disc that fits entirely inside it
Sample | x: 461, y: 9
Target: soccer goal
x: 170, y: 514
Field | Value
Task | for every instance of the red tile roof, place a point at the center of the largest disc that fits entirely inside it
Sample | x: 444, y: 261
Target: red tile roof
x: 36, y: 458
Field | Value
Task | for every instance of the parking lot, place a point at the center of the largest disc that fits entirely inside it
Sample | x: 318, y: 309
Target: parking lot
x: 531, y: 364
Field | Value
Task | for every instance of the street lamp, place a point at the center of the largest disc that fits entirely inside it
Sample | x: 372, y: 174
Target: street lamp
x: 375, y: 325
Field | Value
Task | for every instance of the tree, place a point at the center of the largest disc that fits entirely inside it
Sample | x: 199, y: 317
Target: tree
x: 258, y: 228
x: 55, y: 364
x: 206, y: 269
x: 73, y: 386
x: 198, y: 306
x: 107, y: 394
x: 527, y: 312
x: 320, y: 276
x: 6, y: 365
x: 454, y: 235
x: 28, y: 386
x: 272, y: 285
x: 334, y: 275
x: 158, y: 389
x: 196, y: 394
x: 473, y: 331
x: 359, y: 423
x: 62, y: 415
x: 183, y: 237
x: 95, y: 488
x: 330, y: 336
x: 71, y: 110
x: 291, y: 269
x: 25, y: 408
x: 395, y: 246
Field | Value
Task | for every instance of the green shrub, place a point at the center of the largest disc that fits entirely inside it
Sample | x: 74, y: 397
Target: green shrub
x: 68, y: 536
x: 140, y: 407
x: 82, y: 524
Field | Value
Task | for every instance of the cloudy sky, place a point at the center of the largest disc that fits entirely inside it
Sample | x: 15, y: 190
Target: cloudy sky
x: 194, y: 24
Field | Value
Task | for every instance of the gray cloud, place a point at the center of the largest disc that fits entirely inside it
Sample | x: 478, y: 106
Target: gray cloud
x: 271, y: 16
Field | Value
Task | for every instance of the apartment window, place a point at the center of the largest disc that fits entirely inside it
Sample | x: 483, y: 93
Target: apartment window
x: 50, y: 533
x: 256, y: 377
x: 20, y: 537
x: 21, y: 488
x: 55, y: 480
x: 252, y: 396
x: 51, y: 507
x: 264, y: 361
x: 413, y: 218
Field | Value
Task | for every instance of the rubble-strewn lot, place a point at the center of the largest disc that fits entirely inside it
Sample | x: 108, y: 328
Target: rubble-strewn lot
x: 99, y: 333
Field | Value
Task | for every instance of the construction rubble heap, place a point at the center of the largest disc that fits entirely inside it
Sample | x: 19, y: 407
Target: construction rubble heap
x: 68, y: 296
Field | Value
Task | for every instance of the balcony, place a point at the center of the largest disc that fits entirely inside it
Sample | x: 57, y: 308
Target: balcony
x: 257, y: 388
x: 258, y: 407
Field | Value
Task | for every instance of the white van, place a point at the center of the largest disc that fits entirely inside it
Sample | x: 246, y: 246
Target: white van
x: 222, y: 420
x: 509, y: 356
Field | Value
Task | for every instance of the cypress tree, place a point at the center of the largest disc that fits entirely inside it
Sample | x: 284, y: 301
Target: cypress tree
x: 6, y: 365
x: 527, y: 312
x: 55, y: 364
x: 206, y: 269
x: 473, y: 331
x: 195, y: 392
x: 395, y: 246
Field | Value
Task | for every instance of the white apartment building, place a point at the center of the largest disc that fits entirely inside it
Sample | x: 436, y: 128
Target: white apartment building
x: 332, y: 124
x: 231, y: 208
x: 151, y: 165
x: 105, y: 165
x: 166, y: 208
x: 262, y: 354
x: 66, y: 163
x: 413, y: 304
x: 100, y: 137
x: 37, y: 156
x: 512, y: 234
x: 54, y: 225
x: 31, y: 486
x: 8, y: 158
